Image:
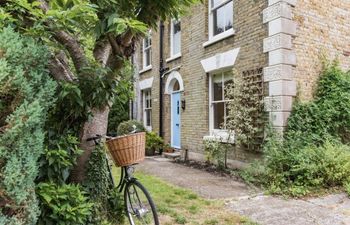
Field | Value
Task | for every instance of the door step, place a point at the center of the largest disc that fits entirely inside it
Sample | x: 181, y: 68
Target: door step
x: 174, y: 155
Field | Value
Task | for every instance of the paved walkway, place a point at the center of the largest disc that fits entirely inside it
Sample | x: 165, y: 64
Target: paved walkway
x: 266, y: 210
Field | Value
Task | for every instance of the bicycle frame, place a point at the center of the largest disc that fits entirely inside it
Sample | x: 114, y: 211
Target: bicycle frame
x: 125, y: 177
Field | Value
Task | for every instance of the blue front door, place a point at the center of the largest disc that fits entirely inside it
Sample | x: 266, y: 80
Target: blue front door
x: 176, y: 120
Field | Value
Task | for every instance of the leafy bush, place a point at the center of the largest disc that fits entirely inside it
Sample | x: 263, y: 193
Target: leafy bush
x: 129, y: 126
x: 347, y: 188
x: 309, y: 169
x: 26, y: 92
x: 315, y: 151
x: 66, y: 204
x: 124, y: 92
x: 153, y: 143
x: 216, y: 152
x: 55, y: 164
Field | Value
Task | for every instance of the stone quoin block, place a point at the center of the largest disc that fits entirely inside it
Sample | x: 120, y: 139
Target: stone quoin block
x: 278, y: 72
x: 278, y: 41
x: 282, y: 56
x: 279, y: 119
x: 282, y: 87
x: 277, y: 10
x: 290, y: 2
x: 278, y: 104
x: 282, y: 25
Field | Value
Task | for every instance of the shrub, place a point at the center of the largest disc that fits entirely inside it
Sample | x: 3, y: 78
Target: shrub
x: 216, y: 152
x: 25, y: 95
x: 309, y: 169
x: 347, y: 187
x: 315, y: 151
x: 66, y: 204
x: 153, y: 143
x: 129, y: 126
x: 58, y: 160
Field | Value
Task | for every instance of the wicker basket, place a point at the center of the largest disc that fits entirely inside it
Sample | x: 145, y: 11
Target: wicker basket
x: 127, y: 150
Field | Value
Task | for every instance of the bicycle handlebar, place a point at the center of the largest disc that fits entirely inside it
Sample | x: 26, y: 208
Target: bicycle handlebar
x: 98, y: 138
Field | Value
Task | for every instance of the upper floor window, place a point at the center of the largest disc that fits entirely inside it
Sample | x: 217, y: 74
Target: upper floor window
x: 147, y: 109
x: 175, y: 38
x: 147, y: 51
x: 220, y: 20
x: 219, y: 84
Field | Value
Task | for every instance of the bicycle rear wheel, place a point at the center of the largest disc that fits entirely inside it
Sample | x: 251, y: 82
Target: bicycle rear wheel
x: 139, y: 205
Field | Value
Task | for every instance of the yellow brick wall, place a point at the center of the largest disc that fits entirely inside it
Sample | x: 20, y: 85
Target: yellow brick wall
x: 323, y: 29
x: 250, y: 32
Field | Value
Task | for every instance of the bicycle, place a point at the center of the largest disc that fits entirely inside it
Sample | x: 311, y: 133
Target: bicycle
x: 139, y: 206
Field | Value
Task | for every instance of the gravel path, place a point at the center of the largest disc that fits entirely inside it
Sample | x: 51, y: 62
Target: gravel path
x: 266, y: 210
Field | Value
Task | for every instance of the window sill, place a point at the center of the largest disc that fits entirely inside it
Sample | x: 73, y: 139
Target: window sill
x: 219, y: 37
x: 148, y: 68
x: 221, y: 136
x: 172, y: 58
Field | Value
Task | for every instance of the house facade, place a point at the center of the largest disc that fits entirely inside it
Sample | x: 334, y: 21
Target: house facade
x: 184, y: 67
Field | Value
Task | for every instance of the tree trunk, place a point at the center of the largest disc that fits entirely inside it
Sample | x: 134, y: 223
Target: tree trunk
x: 96, y: 126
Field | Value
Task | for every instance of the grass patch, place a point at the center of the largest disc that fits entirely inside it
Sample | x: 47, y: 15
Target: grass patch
x: 181, y: 206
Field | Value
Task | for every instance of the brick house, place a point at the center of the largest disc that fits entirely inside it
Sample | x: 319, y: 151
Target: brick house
x: 279, y: 40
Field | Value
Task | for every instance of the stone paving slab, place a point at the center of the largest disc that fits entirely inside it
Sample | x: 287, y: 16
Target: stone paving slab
x: 205, y: 184
x: 266, y: 210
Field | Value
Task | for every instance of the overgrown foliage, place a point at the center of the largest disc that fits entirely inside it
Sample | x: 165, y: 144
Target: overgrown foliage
x: 108, y: 202
x: 26, y: 92
x: 58, y: 160
x: 63, y: 204
x: 216, y: 152
x: 347, y: 188
x: 246, y: 110
x: 124, y: 93
x: 90, y: 43
x: 315, y: 151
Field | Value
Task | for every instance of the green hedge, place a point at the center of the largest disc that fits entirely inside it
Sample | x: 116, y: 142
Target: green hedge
x: 25, y: 95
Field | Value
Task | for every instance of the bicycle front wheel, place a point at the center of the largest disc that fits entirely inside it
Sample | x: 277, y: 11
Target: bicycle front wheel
x: 139, y: 205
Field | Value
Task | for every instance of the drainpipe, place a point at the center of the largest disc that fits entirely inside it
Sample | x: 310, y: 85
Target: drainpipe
x: 161, y: 73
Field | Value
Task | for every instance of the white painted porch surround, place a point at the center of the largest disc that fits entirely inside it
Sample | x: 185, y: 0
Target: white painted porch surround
x: 220, y: 62
x: 279, y: 74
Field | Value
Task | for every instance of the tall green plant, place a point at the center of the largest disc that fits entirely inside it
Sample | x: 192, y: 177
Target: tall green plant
x: 26, y: 92
x: 246, y: 112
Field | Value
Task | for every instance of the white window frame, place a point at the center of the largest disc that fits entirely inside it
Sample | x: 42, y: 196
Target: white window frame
x: 215, y: 38
x: 144, y: 50
x: 145, y: 108
x: 172, y: 55
x: 216, y: 132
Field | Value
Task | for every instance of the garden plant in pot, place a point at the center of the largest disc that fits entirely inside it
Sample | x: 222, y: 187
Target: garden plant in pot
x: 154, y: 144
